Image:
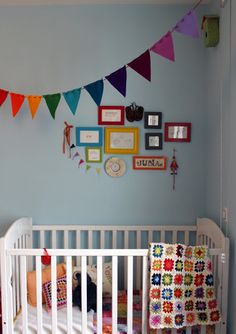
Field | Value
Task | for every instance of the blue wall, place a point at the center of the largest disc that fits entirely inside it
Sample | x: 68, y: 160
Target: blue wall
x: 54, y: 49
x: 221, y: 181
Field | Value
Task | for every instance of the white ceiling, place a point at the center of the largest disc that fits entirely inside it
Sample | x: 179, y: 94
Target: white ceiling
x: 92, y: 2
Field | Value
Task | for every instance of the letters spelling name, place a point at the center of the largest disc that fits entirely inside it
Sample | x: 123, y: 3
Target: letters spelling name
x: 149, y: 163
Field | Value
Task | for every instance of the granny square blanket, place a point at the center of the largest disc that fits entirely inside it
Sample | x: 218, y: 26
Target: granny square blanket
x: 181, y: 287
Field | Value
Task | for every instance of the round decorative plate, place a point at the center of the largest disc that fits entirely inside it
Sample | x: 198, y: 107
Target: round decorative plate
x: 115, y: 167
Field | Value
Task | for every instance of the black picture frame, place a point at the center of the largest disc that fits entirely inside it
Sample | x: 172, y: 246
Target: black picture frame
x: 153, y: 141
x: 152, y: 120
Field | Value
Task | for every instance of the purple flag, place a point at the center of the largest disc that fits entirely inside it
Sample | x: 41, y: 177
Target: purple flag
x: 188, y: 25
x: 118, y: 80
x: 165, y: 47
x: 142, y: 65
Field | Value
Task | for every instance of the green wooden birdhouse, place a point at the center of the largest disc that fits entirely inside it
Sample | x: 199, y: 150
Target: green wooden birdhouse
x: 210, y: 27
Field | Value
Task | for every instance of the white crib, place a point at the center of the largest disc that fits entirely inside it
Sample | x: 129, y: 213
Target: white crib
x: 127, y: 246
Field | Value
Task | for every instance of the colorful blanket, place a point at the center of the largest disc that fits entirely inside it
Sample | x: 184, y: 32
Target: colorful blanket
x: 181, y: 287
x: 122, y: 313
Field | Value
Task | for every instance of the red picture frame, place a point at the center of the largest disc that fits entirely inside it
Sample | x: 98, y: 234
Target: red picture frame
x: 178, y: 132
x: 111, y: 115
x: 149, y: 163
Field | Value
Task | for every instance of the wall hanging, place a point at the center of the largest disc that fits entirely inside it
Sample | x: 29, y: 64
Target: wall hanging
x: 121, y: 140
x: 164, y: 47
x: 149, y: 163
x: 174, y: 168
x: 111, y: 115
x: 115, y: 167
x: 211, y: 32
x: 134, y: 112
x: 153, y: 141
x: 178, y: 132
x: 152, y: 120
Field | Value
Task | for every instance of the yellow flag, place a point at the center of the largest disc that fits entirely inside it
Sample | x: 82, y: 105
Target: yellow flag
x: 34, y: 104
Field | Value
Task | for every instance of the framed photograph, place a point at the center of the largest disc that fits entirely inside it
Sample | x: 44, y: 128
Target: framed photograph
x: 111, y: 115
x: 149, y: 163
x: 93, y: 154
x: 178, y: 132
x: 89, y: 136
x: 152, y: 120
x: 153, y: 141
x: 121, y: 140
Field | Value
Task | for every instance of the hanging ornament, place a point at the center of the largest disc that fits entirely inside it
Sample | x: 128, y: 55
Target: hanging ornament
x: 75, y: 155
x: 88, y: 167
x: 46, y: 259
x: 174, y: 167
x: 81, y: 162
x: 66, y: 138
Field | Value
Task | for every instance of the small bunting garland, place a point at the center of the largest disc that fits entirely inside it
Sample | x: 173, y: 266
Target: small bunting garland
x: 164, y: 47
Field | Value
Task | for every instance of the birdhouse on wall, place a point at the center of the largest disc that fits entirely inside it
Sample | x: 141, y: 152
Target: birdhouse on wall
x: 210, y: 27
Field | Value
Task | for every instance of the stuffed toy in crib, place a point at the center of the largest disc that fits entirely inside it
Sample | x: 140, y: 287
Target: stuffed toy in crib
x: 91, y: 294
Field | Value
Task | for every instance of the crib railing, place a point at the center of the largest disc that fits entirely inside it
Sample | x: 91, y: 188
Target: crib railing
x: 130, y: 254
x: 23, y: 254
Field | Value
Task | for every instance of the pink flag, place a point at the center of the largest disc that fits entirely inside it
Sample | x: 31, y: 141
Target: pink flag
x: 142, y: 65
x: 165, y: 47
x: 188, y: 25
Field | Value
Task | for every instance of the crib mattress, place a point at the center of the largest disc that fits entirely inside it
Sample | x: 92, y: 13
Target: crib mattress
x: 47, y: 321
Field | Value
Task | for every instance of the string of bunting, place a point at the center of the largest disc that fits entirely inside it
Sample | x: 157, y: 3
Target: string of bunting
x: 164, y: 47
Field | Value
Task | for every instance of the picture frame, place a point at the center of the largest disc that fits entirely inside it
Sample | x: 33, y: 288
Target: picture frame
x: 178, y: 132
x: 93, y: 154
x: 121, y: 140
x: 149, y: 163
x: 111, y: 115
x: 152, y: 120
x: 153, y: 141
x: 89, y: 136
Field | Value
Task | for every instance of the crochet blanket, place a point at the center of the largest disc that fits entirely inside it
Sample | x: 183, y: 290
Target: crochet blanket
x: 181, y: 287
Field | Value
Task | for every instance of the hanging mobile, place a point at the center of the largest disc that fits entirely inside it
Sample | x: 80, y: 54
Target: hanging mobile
x: 67, y: 139
x: 174, y: 167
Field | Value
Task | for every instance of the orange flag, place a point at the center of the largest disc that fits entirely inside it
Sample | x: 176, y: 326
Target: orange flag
x: 34, y: 102
x: 16, y: 102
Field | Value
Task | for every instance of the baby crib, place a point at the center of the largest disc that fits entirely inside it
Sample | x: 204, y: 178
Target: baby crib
x: 126, y: 247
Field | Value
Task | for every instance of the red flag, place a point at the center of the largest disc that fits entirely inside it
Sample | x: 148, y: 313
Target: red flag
x: 3, y: 96
x: 142, y: 65
x: 16, y: 102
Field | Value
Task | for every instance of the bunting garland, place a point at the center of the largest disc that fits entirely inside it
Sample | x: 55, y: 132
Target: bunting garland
x: 164, y: 47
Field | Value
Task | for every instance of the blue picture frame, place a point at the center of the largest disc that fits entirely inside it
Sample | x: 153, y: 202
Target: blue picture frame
x: 89, y: 136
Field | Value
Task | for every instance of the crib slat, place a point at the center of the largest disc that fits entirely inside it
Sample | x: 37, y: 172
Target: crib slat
x: 54, y: 294
x: 54, y: 239
x: 138, y: 259
x: 162, y: 236
x: 174, y: 237
x: 39, y: 293
x: 186, y: 238
x: 203, y: 330
x: 188, y: 330
x: 78, y: 246
x: 90, y: 245
x: 17, y: 284
x: 114, y: 238
x: 130, y: 296
x: 42, y: 239
x: 66, y: 241
x: 24, y: 294
x: 84, y: 293
x: 14, y: 284
x: 144, y: 297
x: 69, y: 293
x: 126, y: 246
x: 102, y: 243
x: 99, y: 295
x: 114, y: 294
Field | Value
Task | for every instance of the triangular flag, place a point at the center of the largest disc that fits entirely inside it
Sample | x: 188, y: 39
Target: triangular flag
x: 34, y: 102
x: 52, y: 101
x: 98, y: 170
x: 88, y: 167
x: 188, y: 25
x: 118, y: 80
x: 80, y: 162
x: 165, y: 47
x: 142, y: 65
x: 75, y: 155
x: 3, y: 96
x: 72, y: 99
x: 95, y: 89
x: 16, y: 102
